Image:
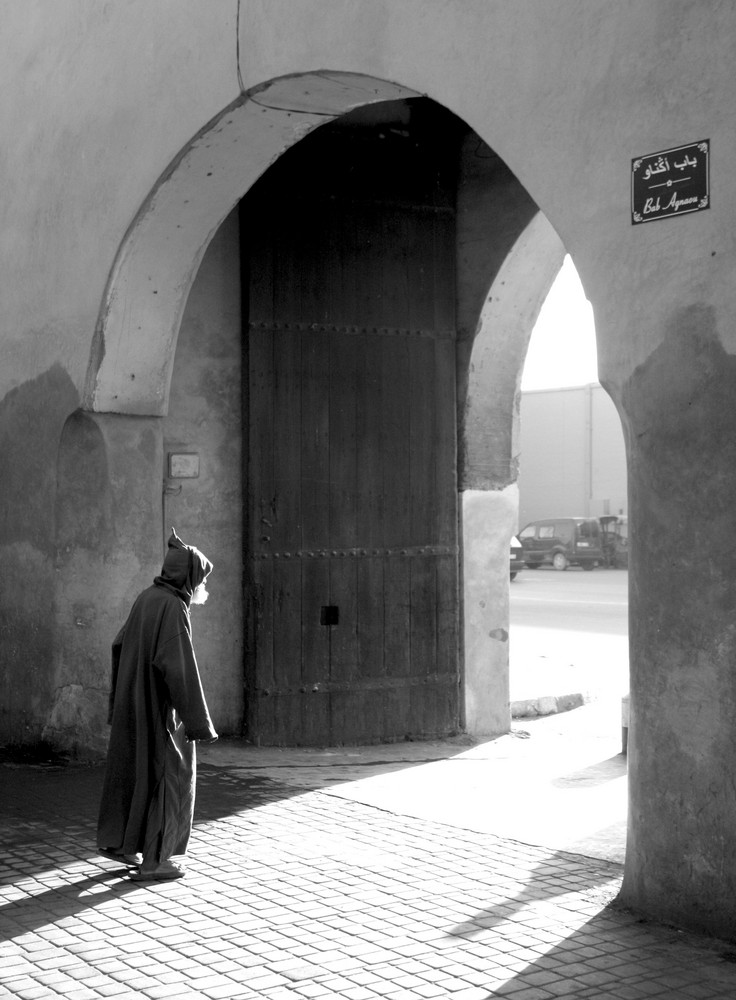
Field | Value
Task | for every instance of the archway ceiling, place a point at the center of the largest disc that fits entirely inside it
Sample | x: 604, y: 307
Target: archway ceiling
x: 135, y: 339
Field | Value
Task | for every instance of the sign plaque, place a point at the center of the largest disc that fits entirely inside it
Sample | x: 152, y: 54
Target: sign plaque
x: 673, y: 182
x: 183, y: 465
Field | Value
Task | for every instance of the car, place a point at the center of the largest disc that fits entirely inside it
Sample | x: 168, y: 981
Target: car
x: 615, y: 540
x: 563, y: 542
x: 516, y: 557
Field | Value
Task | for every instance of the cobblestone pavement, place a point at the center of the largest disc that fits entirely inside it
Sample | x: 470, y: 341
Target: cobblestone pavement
x: 295, y: 893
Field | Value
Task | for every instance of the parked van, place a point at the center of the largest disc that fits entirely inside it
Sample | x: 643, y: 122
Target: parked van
x: 562, y: 542
x: 615, y: 540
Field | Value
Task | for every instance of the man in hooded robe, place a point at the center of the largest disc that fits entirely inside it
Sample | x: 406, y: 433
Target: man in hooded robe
x: 157, y: 711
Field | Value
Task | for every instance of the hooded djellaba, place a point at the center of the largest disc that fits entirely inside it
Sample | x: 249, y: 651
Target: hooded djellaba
x: 157, y: 712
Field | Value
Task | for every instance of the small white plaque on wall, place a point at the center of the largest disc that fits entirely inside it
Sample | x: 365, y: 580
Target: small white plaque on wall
x: 183, y: 465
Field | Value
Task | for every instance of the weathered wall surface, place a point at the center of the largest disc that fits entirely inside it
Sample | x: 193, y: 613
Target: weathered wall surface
x: 97, y: 107
x: 31, y: 417
x: 488, y: 518
x: 681, y: 426
x: 493, y: 210
x: 205, y: 420
x: 88, y: 142
x: 107, y: 494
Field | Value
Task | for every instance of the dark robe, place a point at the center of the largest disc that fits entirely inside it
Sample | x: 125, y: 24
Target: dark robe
x: 157, y: 711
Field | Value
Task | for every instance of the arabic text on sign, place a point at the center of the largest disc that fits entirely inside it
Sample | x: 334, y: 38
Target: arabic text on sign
x: 671, y: 182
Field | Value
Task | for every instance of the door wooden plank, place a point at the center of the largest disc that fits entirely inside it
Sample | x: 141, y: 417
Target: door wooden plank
x: 260, y: 499
x: 343, y: 728
x: 395, y: 375
x: 398, y: 723
x: 397, y: 616
x: 344, y: 527
x: 444, y: 297
x: 343, y: 449
x: 344, y: 635
x: 423, y: 280
x: 396, y: 251
x: 315, y: 521
x: 277, y: 713
x: 287, y: 428
x: 315, y: 637
x: 365, y: 266
x: 315, y: 718
x: 258, y: 247
x: 445, y: 434
x: 315, y: 441
x: 447, y: 614
x: 370, y: 573
x: 316, y: 264
x: 423, y: 614
x: 423, y: 444
x: 337, y: 278
x: 286, y: 535
x: 370, y: 440
x: 370, y: 616
x: 287, y: 638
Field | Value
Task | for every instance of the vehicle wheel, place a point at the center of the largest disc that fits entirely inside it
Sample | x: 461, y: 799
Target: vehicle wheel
x: 559, y: 560
x: 587, y: 565
x: 513, y: 576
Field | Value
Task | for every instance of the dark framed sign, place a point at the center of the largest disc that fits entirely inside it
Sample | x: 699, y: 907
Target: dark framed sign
x: 673, y: 182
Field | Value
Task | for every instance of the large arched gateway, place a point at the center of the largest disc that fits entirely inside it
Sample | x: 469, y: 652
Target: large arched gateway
x: 362, y: 261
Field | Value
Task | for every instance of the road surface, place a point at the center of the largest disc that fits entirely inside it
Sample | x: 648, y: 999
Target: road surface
x: 569, y: 628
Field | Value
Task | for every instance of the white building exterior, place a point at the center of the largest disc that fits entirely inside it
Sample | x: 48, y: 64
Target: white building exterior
x: 572, y: 458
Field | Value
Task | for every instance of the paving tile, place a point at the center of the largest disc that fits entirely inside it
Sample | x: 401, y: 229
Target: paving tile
x: 314, y: 896
x: 162, y: 991
x: 31, y: 992
x: 114, y: 990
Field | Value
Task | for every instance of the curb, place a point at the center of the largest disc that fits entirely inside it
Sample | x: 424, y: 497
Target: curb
x: 546, y: 705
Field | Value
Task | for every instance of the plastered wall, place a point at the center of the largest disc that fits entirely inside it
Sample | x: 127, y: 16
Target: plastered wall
x: 118, y: 116
x: 204, y: 421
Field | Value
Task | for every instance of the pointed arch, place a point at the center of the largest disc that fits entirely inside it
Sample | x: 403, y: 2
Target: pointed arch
x: 129, y: 370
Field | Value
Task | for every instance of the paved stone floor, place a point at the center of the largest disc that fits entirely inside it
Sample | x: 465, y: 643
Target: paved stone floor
x: 301, y: 893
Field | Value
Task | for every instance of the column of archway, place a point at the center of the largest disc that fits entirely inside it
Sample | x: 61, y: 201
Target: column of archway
x: 680, y: 422
x: 504, y: 241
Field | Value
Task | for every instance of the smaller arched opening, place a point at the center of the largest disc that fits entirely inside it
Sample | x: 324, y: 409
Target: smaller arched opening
x: 569, y: 656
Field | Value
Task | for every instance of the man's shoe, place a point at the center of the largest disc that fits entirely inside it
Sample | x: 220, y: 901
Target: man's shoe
x: 164, y: 871
x: 131, y: 860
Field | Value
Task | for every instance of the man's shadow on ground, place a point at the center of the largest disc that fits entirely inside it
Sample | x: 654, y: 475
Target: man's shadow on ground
x: 48, y: 825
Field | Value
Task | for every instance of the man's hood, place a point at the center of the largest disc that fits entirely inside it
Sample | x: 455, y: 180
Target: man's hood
x: 184, y: 568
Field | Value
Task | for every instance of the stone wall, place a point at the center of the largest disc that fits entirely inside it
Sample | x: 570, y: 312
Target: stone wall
x: 125, y: 152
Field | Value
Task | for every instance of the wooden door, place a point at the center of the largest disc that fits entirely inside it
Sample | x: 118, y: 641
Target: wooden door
x: 351, y: 426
